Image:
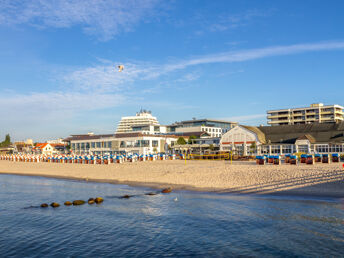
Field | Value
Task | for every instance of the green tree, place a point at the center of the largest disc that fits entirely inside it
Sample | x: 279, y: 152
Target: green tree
x: 191, y: 138
x: 253, y: 147
x: 181, y: 141
x: 6, y: 142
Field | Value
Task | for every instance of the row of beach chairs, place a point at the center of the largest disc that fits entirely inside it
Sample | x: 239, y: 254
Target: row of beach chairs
x: 87, y: 159
x: 293, y: 159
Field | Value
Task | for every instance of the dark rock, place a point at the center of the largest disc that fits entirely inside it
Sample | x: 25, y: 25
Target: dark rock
x: 126, y: 196
x: 98, y: 200
x: 78, y: 202
x: 44, y: 205
x: 151, y: 193
x: 91, y: 201
x: 68, y: 203
x: 54, y: 204
x: 167, y: 190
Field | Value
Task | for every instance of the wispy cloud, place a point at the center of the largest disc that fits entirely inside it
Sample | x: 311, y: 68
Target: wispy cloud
x: 104, y: 77
x: 227, y: 22
x: 102, y: 87
x: 103, y: 18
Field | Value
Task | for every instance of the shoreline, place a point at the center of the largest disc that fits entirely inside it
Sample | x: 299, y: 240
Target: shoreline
x: 199, y: 176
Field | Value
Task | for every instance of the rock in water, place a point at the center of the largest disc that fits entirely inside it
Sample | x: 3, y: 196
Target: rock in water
x: 91, y: 201
x: 68, y: 203
x: 167, y: 190
x: 54, y: 204
x: 126, y: 196
x: 44, y: 205
x: 78, y: 202
x: 98, y: 200
x: 151, y: 193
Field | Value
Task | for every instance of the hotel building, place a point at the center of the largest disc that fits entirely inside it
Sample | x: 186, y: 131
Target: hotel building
x: 143, y: 121
x: 318, y: 113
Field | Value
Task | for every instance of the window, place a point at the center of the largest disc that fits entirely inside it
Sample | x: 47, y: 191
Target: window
x: 87, y: 145
x: 321, y: 148
x: 275, y: 149
x: 109, y: 144
x: 155, y: 143
x: 98, y: 144
x: 93, y: 144
x: 287, y: 149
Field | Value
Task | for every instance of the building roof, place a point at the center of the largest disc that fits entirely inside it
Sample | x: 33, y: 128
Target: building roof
x: 117, y: 135
x: 208, y: 120
x: 315, y: 133
x: 257, y: 131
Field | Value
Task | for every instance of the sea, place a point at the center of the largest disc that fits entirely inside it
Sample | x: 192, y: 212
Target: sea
x: 178, y: 224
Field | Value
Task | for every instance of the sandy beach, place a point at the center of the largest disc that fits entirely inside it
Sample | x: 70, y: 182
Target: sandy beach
x: 213, y: 176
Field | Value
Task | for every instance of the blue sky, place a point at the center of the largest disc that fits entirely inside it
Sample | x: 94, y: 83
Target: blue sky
x: 206, y: 59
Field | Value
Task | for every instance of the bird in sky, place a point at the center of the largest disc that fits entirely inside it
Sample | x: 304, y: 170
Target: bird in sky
x: 120, y: 68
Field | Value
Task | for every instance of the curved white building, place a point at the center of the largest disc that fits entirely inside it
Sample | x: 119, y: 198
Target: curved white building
x: 142, y: 118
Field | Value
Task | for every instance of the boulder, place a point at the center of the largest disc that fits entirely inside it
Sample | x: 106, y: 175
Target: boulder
x: 91, y: 201
x: 167, y: 190
x: 151, y: 193
x: 126, y: 196
x: 98, y: 200
x: 78, y: 202
x: 68, y: 203
x: 54, y: 204
x: 44, y: 205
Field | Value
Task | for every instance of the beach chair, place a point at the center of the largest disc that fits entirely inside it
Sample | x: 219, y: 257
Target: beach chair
x: 270, y: 159
x: 309, y: 160
x: 335, y: 157
x: 303, y: 158
x: 260, y: 160
x: 287, y: 158
x: 277, y: 160
x: 293, y: 160
x: 317, y: 158
x: 325, y: 159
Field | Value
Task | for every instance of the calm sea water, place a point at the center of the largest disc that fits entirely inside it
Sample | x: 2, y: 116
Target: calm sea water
x: 196, y: 224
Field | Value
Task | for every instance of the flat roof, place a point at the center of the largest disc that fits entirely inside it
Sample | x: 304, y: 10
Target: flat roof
x: 208, y: 120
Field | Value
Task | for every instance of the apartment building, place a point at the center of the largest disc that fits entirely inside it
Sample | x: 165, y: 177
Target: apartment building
x: 316, y: 113
x: 143, y: 118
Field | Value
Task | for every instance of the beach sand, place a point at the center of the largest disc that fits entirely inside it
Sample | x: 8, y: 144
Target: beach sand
x: 212, y: 176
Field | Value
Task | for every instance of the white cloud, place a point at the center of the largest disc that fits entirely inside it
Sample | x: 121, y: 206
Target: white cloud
x: 55, y: 105
x: 103, y: 18
x: 105, y: 77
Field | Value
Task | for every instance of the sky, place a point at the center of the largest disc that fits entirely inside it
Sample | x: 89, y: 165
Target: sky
x: 231, y: 60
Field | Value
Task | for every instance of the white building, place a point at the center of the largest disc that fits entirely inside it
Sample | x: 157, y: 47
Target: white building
x: 212, y: 131
x: 315, y: 113
x: 118, y: 143
x: 285, y: 139
x: 142, y: 119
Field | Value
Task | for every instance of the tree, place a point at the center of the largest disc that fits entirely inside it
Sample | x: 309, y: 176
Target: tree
x: 6, y: 142
x: 211, y: 147
x: 181, y: 141
x: 253, y: 147
x: 192, y: 137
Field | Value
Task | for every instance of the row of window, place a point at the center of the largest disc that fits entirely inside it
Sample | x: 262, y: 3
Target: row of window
x: 123, y: 144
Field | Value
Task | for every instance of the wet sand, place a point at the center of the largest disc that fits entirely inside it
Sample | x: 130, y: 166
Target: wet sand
x: 211, y: 176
